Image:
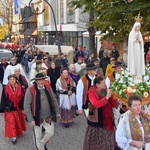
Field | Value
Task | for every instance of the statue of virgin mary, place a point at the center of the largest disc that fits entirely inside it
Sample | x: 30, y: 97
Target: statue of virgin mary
x: 136, y: 63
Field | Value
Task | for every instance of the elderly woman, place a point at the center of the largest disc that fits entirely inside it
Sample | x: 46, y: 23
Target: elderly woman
x: 21, y: 80
x: 12, y: 105
x: 133, y: 131
x: 66, y: 89
x: 100, y: 133
x: 73, y: 74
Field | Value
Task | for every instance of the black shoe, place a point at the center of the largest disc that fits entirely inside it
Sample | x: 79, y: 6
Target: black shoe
x: 67, y: 126
x: 77, y: 114
x: 45, y: 147
x: 14, y: 141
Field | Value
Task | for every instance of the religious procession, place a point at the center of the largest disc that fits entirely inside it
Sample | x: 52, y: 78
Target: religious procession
x: 109, y: 90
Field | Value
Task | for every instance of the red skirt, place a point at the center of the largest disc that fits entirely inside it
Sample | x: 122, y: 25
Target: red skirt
x: 14, y: 123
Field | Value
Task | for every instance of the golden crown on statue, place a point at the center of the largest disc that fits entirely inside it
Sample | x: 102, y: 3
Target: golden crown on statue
x: 138, y: 18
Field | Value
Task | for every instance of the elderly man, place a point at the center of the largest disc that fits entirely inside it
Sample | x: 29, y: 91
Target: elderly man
x: 109, y: 79
x: 39, y: 105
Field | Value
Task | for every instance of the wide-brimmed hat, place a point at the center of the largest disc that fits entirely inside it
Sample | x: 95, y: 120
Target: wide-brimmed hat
x: 117, y: 64
x: 93, y: 59
x: 39, y: 76
x: 90, y: 66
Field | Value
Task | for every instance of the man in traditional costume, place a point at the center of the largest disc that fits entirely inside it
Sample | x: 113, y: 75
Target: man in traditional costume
x: 40, y: 105
x: 82, y: 88
x: 109, y: 79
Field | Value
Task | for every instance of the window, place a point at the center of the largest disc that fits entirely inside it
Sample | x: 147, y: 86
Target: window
x: 70, y: 13
x: 61, y: 11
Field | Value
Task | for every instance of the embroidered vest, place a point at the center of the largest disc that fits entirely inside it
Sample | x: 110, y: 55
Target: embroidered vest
x: 33, y: 93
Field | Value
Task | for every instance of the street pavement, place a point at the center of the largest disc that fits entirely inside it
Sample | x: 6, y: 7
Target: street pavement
x: 64, y: 138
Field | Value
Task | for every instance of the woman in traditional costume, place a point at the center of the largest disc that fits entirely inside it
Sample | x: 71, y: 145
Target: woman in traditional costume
x: 133, y: 131
x: 100, y: 133
x: 66, y: 89
x: 12, y: 106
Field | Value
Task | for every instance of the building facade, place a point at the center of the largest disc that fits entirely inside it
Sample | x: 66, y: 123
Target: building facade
x: 70, y: 22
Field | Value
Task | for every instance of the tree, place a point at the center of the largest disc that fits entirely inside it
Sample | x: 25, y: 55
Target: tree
x: 3, y: 31
x: 7, y: 14
x: 88, y: 7
x: 115, y: 18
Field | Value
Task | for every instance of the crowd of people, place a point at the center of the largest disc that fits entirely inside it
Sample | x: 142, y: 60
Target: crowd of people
x: 43, y: 89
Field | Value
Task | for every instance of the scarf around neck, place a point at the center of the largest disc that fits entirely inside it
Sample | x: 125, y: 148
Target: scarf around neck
x: 14, y: 96
x: 49, y: 96
x: 66, y: 83
x: 135, y: 129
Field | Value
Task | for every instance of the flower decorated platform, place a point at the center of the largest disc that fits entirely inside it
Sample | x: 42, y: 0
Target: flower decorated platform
x: 125, y: 85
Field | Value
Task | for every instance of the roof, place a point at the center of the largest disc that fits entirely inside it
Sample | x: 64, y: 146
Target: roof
x: 30, y: 32
x: 22, y: 21
x: 31, y: 19
x: 53, y: 49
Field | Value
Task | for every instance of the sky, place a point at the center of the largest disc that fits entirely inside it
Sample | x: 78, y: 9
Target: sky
x: 24, y: 2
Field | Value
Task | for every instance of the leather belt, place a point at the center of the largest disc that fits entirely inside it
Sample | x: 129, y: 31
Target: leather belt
x: 47, y: 120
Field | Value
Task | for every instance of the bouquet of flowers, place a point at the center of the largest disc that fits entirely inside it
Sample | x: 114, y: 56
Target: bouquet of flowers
x: 125, y: 85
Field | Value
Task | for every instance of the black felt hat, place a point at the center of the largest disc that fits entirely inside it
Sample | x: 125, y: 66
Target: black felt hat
x: 117, y: 63
x: 39, y: 76
x: 90, y: 66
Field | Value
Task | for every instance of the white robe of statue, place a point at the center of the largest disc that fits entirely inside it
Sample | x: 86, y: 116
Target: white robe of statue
x: 136, y: 63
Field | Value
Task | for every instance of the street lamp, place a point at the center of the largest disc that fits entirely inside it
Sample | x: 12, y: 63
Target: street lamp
x: 57, y: 38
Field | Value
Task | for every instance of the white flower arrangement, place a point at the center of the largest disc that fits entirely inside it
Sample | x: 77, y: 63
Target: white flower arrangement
x: 125, y: 84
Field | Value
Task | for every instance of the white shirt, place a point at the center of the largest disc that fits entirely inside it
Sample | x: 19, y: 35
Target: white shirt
x: 10, y: 70
x: 79, y: 92
x: 123, y: 133
x: 34, y: 65
x: 107, y: 81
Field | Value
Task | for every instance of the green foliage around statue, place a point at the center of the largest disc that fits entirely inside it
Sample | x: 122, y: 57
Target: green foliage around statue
x: 114, y: 18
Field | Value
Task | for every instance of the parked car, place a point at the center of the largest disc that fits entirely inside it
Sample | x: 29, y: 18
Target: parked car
x: 5, y: 53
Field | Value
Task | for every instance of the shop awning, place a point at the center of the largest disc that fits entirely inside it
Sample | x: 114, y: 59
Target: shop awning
x: 97, y: 34
x: 31, y: 19
x: 30, y: 32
